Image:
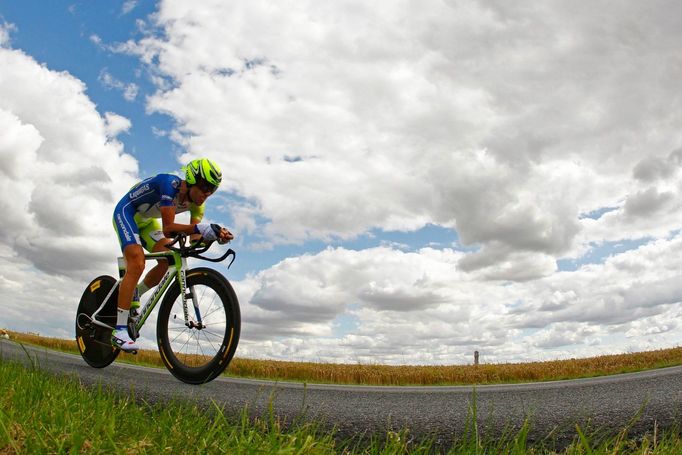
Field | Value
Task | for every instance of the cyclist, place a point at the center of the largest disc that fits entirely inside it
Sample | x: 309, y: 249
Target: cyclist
x: 136, y: 220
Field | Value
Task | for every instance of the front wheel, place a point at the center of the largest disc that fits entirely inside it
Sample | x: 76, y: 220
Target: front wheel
x: 199, y: 350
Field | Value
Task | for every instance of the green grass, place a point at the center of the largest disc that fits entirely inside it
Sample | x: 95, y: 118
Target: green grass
x: 42, y: 413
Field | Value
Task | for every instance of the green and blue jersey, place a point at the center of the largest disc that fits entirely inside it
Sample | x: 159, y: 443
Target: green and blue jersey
x: 137, y: 213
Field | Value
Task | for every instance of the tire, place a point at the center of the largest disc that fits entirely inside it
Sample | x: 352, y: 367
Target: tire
x: 94, y: 342
x: 199, y: 355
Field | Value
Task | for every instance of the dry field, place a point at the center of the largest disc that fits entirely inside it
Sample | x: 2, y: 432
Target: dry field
x: 409, y: 374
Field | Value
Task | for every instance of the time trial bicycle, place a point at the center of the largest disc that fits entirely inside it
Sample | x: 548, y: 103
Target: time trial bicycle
x: 198, y: 324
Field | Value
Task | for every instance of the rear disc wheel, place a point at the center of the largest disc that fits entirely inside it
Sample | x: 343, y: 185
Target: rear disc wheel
x: 94, y: 342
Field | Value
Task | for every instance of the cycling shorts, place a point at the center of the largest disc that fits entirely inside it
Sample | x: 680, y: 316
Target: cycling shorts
x: 133, y: 229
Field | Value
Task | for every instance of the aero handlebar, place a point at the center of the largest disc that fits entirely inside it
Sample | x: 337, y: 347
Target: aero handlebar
x: 196, y: 248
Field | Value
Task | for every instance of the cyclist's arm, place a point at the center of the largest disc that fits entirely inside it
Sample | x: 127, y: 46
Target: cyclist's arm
x: 194, y: 221
x: 170, y: 227
x: 196, y: 214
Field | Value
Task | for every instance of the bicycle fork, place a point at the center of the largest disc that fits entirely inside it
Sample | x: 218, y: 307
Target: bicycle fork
x: 189, y: 293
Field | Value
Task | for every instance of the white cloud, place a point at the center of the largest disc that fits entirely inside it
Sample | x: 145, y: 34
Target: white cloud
x: 63, y: 173
x: 512, y: 124
x: 97, y: 41
x: 397, y: 299
x: 129, y: 90
x: 128, y: 6
x: 506, y: 123
x: 421, y: 307
x: 6, y: 30
x: 116, y: 124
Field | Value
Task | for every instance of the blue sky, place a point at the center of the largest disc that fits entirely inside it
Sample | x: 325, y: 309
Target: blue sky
x: 407, y: 182
x: 59, y: 34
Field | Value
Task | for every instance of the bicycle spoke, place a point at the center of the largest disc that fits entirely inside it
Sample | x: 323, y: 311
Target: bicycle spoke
x: 186, y: 343
x: 215, y: 328
x: 209, y: 342
x: 199, y: 345
x: 218, y: 307
x: 189, y: 344
x: 178, y: 336
x: 219, y: 336
x: 175, y: 329
x: 201, y: 299
x: 195, y: 351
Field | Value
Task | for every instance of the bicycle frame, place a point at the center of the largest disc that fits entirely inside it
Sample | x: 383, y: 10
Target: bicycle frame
x: 195, y: 350
x: 177, y: 262
x: 177, y: 269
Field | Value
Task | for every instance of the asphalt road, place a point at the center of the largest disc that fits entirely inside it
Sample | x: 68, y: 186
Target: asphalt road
x: 606, y: 404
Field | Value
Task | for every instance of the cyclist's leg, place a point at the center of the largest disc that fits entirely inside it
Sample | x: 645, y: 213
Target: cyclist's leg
x: 161, y: 267
x: 134, y: 256
x: 128, y: 234
x: 126, y: 226
x: 154, y: 241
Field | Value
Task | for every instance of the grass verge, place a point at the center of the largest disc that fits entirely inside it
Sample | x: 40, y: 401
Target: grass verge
x: 42, y: 413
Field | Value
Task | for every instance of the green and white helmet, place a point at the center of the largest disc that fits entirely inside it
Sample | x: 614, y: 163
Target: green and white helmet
x: 203, y: 172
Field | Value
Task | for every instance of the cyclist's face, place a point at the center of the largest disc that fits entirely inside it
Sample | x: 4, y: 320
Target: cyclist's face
x: 200, y: 192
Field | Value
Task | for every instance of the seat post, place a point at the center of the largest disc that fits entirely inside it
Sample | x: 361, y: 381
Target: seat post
x: 121, y: 267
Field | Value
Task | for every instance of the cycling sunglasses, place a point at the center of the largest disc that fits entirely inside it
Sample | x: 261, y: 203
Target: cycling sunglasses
x: 206, y: 187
